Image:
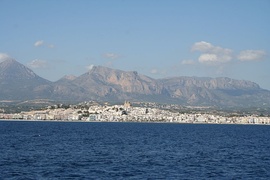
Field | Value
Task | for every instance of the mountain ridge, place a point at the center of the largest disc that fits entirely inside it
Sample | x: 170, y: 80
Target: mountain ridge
x: 106, y: 84
x: 19, y: 82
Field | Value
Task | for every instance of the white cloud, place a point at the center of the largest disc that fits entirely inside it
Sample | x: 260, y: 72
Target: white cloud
x: 188, y: 62
x: 111, y: 56
x: 4, y: 57
x: 42, y: 43
x: 212, y: 54
x: 207, y: 58
x: 37, y: 63
x: 154, y: 71
x: 202, y: 46
x: 39, y: 43
x: 89, y: 67
x: 251, y: 55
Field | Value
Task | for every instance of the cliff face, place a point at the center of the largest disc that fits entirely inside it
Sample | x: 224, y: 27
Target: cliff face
x: 118, y: 81
x: 106, y: 84
x: 215, y: 91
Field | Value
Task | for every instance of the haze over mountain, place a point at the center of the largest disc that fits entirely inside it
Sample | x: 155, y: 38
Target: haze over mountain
x: 18, y: 82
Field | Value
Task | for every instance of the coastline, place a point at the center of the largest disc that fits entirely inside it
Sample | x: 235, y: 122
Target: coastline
x: 145, y: 122
x: 128, y: 113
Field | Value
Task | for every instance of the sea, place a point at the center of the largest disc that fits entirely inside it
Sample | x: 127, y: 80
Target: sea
x: 96, y: 150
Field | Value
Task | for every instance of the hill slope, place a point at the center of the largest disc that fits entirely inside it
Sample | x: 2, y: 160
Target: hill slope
x: 18, y: 82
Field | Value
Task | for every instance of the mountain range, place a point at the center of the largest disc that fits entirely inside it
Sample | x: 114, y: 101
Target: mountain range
x: 17, y: 83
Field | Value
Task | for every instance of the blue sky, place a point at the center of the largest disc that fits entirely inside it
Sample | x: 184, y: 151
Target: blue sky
x: 157, y: 38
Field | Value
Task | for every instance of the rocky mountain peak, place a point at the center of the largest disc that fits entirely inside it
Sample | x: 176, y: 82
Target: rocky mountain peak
x: 69, y: 77
x: 11, y: 69
x: 107, y: 72
x: 17, y: 82
x: 107, y: 84
x: 228, y: 83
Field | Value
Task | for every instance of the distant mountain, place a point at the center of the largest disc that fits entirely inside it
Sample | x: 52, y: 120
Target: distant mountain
x: 110, y: 84
x: 67, y: 78
x: 216, y: 91
x: 13, y: 70
x: 66, y: 90
x: 17, y: 82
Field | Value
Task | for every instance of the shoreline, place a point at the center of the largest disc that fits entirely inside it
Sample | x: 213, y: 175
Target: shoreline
x: 145, y: 122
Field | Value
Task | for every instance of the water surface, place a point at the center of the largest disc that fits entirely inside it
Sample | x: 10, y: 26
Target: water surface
x: 77, y: 150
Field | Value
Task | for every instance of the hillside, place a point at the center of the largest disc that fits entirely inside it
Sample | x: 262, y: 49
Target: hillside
x: 18, y: 82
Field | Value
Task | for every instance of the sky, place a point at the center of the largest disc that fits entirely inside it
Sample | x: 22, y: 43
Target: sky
x: 157, y: 38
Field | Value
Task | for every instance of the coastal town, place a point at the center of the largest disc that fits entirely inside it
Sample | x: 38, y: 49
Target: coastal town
x: 94, y: 112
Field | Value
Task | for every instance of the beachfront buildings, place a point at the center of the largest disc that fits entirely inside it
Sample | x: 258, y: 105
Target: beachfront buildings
x: 127, y: 113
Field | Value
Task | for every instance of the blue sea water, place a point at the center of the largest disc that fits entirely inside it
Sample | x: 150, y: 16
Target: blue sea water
x: 77, y: 150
